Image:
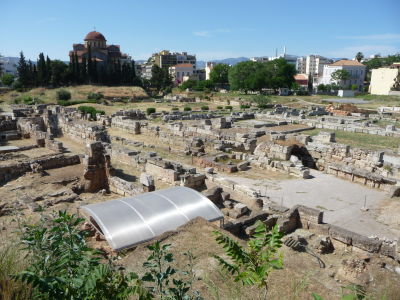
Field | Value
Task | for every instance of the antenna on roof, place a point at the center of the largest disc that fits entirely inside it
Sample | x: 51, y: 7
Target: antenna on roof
x: 94, y: 28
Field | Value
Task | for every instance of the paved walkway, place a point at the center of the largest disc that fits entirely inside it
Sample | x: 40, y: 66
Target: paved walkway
x: 340, y: 200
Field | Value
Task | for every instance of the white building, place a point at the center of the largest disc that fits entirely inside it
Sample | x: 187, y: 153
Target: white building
x: 209, y: 66
x: 355, y: 69
x: 259, y: 59
x: 312, y: 64
x: 9, y: 65
x: 383, y: 80
x: 181, y: 72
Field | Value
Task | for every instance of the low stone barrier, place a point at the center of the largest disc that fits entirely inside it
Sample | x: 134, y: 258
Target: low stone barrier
x: 14, y: 170
x: 122, y: 187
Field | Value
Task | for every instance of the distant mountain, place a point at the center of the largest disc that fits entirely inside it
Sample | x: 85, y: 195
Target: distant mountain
x: 201, y: 64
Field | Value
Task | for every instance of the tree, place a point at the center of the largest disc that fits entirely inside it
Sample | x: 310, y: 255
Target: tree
x: 41, y: 70
x: 252, y: 266
x: 340, y: 76
x: 280, y: 74
x: 59, y: 73
x: 7, y: 79
x: 359, y: 56
x: 1, y: 65
x: 23, y: 71
x: 219, y: 75
x: 247, y: 76
x: 261, y: 101
x: 157, y: 78
x: 48, y: 71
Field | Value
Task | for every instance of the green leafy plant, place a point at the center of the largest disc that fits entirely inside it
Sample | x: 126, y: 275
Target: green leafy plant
x: 150, y: 110
x: 165, y: 281
x: 95, y: 96
x: 63, y: 266
x: 350, y: 292
x: 175, y: 109
x: 229, y: 107
x: 63, y: 95
x: 91, y: 110
x: 204, y: 107
x: 244, y: 106
x: 252, y: 266
x: 219, y: 107
x: 187, y: 108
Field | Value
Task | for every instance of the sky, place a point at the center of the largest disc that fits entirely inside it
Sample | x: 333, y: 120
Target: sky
x: 211, y: 29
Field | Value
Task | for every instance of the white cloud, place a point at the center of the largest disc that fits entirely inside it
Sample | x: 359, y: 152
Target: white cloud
x: 203, y: 33
x: 210, y: 33
x: 350, y: 52
x: 383, y: 36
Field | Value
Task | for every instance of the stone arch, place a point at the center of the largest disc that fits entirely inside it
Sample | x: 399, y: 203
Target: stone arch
x: 302, y: 154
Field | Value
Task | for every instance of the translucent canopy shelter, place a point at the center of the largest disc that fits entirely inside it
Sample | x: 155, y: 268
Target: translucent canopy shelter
x: 128, y: 221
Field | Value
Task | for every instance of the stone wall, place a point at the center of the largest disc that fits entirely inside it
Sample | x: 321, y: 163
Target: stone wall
x: 14, y: 170
x: 122, y: 187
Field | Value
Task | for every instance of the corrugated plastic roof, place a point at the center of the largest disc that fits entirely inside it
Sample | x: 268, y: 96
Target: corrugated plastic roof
x: 129, y: 221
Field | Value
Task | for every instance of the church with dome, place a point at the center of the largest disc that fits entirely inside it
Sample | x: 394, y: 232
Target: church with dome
x: 99, y: 50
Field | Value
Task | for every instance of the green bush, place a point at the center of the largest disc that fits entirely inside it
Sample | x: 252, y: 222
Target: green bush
x: 187, y: 108
x: 175, y: 109
x: 244, y: 106
x: 95, y: 96
x: 63, y: 266
x: 204, y: 107
x: 7, y: 79
x: 17, y: 86
x: 150, y: 110
x: 26, y: 99
x: 219, y: 107
x: 229, y: 107
x: 73, y: 102
x: 63, y: 95
x: 91, y: 110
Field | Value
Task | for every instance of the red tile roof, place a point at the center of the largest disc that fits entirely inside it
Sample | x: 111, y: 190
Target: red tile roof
x: 94, y: 35
x: 345, y: 62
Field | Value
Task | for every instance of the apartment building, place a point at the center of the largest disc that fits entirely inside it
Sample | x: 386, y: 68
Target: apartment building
x: 355, y: 69
x: 181, y: 72
x: 166, y: 59
x: 312, y: 64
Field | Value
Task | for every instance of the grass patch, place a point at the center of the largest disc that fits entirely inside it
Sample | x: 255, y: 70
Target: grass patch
x: 361, y: 140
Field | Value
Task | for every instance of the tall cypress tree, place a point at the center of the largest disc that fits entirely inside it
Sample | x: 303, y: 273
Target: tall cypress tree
x: 35, y: 76
x: 48, y: 71
x: 89, y: 65
x: 41, y: 70
x: 31, y: 80
x: 78, y: 70
x: 83, y: 67
x: 23, y: 70
x: 94, y: 71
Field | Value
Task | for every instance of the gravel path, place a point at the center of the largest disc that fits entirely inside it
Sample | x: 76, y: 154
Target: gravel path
x: 340, y: 200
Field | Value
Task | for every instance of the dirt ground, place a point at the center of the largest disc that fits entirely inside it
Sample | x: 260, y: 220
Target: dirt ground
x: 300, y: 277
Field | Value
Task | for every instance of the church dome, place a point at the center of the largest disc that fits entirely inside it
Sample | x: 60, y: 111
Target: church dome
x: 94, y: 35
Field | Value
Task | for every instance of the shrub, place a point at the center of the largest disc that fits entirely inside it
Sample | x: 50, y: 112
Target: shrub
x: 91, y: 110
x: 175, y: 109
x: 219, y: 107
x: 63, y: 266
x: 187, y: 108
x: 244, y: 106
x: 7, y: 79
x: 205, y: 107
x: 95, y: 96
x: 354, y: 87
x: 17, y: 86
x: 252, y: 265
x: 63, y: 95
x: 150, y: 110
x: 229, y: 107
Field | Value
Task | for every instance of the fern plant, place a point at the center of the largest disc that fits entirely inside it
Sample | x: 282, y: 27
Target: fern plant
x: 252, y: 266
